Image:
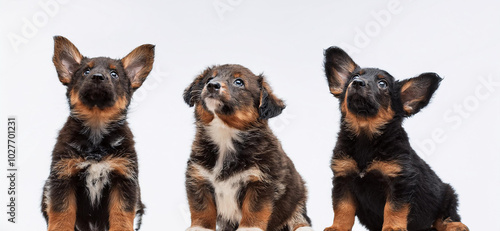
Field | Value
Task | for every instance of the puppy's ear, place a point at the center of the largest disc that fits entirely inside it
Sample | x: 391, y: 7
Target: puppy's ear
x: 270, y: 105
x: 192, y: 93
x: 416, y: 92
x: 139, y: 63
x: 66, y: 58
x: 338, y: 68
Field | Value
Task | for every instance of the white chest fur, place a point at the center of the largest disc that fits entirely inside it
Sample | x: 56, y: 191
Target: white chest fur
x: 97, y: 176
x: 227, y: 190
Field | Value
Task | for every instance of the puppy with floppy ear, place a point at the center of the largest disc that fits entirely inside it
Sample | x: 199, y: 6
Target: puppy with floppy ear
x: 93, y: 182
x: 378, y: 177
x: 238, y: 177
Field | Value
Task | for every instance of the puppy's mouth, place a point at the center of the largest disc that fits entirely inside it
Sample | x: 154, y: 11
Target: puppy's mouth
x: 100, y: 97
x: 361, y: 105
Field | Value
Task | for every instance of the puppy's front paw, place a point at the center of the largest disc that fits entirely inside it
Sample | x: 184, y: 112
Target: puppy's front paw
x: 335, y: 228
x: 304, y: 229
x: 394, y: 229
x: 249, y: 229
x: 456, y: 226
x: 198, y: 228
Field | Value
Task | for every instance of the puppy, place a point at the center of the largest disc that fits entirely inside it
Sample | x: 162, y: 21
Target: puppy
x: 238, y: 176
x: 377, y: 175
x: 93, y: 182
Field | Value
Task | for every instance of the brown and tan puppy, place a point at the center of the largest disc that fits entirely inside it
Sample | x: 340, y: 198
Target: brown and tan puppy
x: 238, y: 176
x: 93, y: 182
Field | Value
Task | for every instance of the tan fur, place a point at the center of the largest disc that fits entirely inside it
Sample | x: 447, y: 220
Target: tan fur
x: 369, y: 126
x: 207, y: 217
x: 253, y: 217
x: 141, y: 53
x: 205, y: 116
x: 336, y: 91
x: 63, y: 46
x: 121, y: 166
x: 344, y: 166
x: 68, y: 167
x: 96, y: 117
x: 408, y: 106
x: 388, y: 168
x: 119, y: 219
x: 449, y: 225
x: 395, y: 218
x: 63, y: 220
x: 241, y: 119
x: 344, y: 214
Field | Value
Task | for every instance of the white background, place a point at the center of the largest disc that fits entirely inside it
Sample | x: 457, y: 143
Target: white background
x: 457, y: 134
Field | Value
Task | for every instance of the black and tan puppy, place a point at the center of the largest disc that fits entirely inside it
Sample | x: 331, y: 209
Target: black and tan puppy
x: 238, y: 176
x: 377, y: 175
x: 93, y: 182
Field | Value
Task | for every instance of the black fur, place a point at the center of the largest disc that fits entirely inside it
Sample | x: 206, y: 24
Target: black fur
x: 407, y: 180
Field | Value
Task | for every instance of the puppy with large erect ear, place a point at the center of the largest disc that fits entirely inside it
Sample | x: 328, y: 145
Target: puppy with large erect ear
x: 93, y: 182
x: 238, y: 176
x: 377, y: 176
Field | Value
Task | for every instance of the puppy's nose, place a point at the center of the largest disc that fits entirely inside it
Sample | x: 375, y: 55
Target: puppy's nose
x: 358, y: 83
x: 213, y: 87
x: 98, y: 77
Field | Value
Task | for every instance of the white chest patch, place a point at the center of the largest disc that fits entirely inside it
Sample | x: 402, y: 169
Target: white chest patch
x: 97, y: 176
x: 227, y: 191
x: 223, y: 137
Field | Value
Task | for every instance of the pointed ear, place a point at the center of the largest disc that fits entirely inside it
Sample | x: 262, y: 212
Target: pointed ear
x: 66, y: 58
x: 270, y: 105
x: 338, y: 68
x: 416, y: 92
x: 139, y: 63
x: 192, y: 93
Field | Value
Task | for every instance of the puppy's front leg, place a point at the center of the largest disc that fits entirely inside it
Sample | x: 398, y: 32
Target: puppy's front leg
x: 122, y: 201
x: 201, y: 201
x: 395, y: 216
x: 256, y: 209
x: 344, y: 205
x: 61, y: 206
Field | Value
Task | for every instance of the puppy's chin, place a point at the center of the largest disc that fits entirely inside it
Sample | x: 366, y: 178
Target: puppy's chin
x: 361, y: 106
x: 212, y: 104
x: 102, y: 99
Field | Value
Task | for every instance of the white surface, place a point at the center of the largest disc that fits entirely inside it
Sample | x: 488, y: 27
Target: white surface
x: 457, y: 134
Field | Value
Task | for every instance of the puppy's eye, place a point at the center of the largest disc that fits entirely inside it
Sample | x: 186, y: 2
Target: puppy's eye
x: 239, y: 82
x: 382, y: 84
x: 86, y: 72
x: 114, y: 74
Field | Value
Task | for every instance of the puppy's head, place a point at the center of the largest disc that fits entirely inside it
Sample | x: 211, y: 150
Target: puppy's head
x: 233, y: 94
x: 370, y: 98
x: 100, y: 87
